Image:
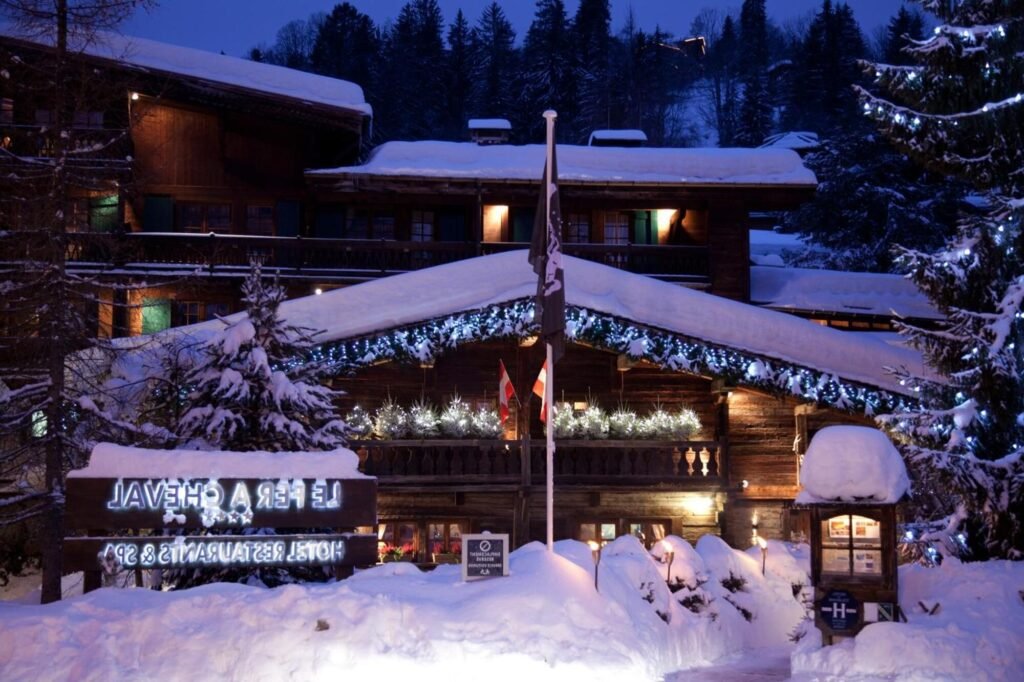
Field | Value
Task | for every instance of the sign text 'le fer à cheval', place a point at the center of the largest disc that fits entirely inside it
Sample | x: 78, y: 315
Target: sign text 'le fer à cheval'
x: 224, y: 503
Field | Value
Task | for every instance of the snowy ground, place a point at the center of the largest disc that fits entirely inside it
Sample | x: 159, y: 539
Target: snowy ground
x: 544, y: 622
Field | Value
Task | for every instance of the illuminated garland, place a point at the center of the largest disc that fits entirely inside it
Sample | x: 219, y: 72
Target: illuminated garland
x: 423, y: 342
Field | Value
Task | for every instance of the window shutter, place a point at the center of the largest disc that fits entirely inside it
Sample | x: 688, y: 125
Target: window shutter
x: 289, y: 218
x: 452, y: 227
x: 158, y: 214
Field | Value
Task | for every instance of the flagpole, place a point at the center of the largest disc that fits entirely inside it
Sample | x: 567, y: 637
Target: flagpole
x: 549, y: 384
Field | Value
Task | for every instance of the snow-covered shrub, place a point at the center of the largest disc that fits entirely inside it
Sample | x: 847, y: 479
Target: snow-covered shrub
x: 423, y: 420
x: 623, y: 424
x: 456, y: 419
x: 391, y: 421
x: 593, y: 423
x: 487, y: 424
x: 565, y: 425
x: 360, y: 423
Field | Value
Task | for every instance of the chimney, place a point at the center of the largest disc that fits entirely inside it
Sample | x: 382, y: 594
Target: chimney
x: 489, y: 130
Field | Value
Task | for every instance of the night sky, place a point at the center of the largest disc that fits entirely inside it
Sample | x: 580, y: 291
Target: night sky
x: 235, y: 26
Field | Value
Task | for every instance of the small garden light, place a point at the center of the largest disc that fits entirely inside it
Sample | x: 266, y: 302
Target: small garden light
x: 595, y: 551
x: 669, y: 556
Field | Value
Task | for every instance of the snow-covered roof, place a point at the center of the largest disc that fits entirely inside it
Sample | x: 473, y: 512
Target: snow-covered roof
x: 406, y: 299
x: 852, y: 464
x: 150, y: 55
x: 863, y: 293
x: 489, y: 124
x: 578, y: 164
x: 624, y: 135
x: 117, y: 461
x: 798, y: 140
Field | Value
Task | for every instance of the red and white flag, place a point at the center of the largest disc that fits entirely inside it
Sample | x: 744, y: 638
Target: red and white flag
x: 538, y: 389
x: 506, y: 391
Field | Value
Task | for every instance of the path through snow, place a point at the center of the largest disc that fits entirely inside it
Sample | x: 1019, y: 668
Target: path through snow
x: 763, y: 666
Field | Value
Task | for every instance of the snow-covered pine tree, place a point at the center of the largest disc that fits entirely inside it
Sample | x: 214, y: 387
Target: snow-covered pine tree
x: 959, y: 110
x: 257, y: 388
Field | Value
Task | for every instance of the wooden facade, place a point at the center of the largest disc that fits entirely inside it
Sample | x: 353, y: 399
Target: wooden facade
x: 735, y: 477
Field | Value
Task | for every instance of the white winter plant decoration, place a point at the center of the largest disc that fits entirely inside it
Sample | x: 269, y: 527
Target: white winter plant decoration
x: 458, y: 420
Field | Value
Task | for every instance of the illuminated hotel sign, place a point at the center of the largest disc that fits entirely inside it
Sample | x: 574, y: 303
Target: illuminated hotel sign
x: 215, y: 503
x: 160, y: 504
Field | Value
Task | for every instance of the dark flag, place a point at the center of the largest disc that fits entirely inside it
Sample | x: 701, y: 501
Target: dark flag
x: 546, y: 259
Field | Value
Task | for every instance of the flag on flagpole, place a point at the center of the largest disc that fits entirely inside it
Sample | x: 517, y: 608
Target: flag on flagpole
x: 546, y: 259
x: 506, y: 391
x: 538, y: 390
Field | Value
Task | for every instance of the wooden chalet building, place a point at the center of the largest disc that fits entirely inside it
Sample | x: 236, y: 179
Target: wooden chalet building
x: 193, y: 164
x: 212, y: 161
x: 762, y: 382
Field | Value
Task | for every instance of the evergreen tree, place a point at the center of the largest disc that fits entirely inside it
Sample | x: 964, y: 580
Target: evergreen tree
x: 548, y: 76
x: 906, y: 26
x: 496, y: 63
x: 959, y: 110
x: 826, y: 66
x: 46, y: 312
x: 870, y: 198
x: 346, y: 46
x: 755, y: 111
x: 723, y: 80
x: 592, y: 40
x: 257, y: 388
x: 411, y: 98
x: 459, y: 78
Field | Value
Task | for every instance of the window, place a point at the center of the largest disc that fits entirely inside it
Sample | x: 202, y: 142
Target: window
x: 649, y: 532
x: 597, y: 531
x: 444, y: 537
x: 259, y: 220
x: 199, y: 217
x: 366, y: 224
x: 422, y: 226
x: 6, y: 110
x: 383, y: 226
x: 45, y: 117
x: 398, y: 540
x: 616, y: 233
x: 616, y: 228
x: 579, y: 228
x: 191, y: 312
x: 88, y: 119
x: 156, y: 315
x: 851, y: 545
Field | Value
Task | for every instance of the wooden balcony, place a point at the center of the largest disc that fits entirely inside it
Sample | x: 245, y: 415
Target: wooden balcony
x: 684, y: 465
x: 94, y: 148
x: 354, y: 259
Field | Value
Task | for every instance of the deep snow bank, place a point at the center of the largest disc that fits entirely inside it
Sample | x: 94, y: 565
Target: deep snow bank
x: 977, y: 632
x: 545, y: 621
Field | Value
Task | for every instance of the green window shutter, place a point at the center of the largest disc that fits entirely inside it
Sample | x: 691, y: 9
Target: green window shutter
x: 452, y: 227
x: 156, y: 315
x: 158, y: 214
x: 643, y: 231
x: 289, y: 218
x: 522, y: 224
x: 330, y: 221
x: 104, y: 213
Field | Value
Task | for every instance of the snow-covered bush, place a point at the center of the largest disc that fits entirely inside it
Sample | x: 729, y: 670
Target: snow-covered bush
x: 391, y: 421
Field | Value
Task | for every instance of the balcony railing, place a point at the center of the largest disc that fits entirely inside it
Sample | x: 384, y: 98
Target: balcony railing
x: 610, y: 462
x: 85, y: 146
x: 358, y: 259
